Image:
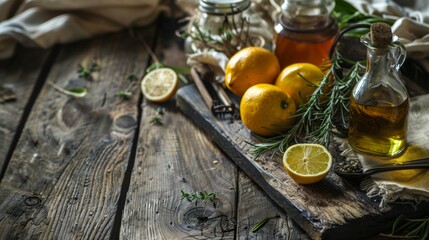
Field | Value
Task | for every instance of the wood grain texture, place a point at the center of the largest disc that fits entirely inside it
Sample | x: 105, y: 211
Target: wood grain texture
x: 332, y: 208
x: 20, y: 75
x: 65, y: 176
x: 173, y: 157
x: 253, y: 206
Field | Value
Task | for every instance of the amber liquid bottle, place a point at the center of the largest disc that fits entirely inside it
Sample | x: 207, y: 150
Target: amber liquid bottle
x: 379, y: 103
x: 305, y: 32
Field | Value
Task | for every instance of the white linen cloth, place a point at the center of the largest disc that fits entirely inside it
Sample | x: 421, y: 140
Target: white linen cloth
x: 43, y: 23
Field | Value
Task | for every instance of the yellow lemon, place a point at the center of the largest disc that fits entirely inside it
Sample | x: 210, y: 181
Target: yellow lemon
x: 250, y: 66
x: 307, y: 163
x: 300, y: 80
x: 160, y: 84
x: 266, y: 110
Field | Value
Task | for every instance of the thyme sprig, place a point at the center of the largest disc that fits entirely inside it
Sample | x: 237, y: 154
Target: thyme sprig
x: 203, y: 196
x: 319, y: 115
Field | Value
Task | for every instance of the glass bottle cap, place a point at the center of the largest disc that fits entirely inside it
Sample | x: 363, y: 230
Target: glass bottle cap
x: 222, y: 7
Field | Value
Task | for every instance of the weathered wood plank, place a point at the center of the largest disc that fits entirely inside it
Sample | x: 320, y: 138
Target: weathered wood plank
x: 173, y: 157
x: 331, y: 208
x: 20, y: 75
x: 253, y: 206
x: 71, y: 158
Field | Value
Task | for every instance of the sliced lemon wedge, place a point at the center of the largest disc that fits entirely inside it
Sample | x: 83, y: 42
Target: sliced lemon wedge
x: 307, y: 163
x: 160, y: 84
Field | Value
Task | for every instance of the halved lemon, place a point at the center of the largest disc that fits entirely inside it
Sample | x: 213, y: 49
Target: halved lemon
x: 160, y: 84
x: 307, y: 163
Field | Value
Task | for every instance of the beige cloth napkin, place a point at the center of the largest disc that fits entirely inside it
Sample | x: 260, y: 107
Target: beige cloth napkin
x: 404, y: 184
x: 43, y: 23
x: 411, y: 24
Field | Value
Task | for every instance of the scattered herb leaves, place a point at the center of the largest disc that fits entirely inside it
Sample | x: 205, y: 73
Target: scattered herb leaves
x: 203, y: 196
x: 127, y: 93
x: 86, y: 72
x: 157, y: 118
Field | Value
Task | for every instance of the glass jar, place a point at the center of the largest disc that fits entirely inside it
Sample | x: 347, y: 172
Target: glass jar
x: 305, y: 32
x: 379, y: 103
x: 213, y: 13
x: 232, y: 21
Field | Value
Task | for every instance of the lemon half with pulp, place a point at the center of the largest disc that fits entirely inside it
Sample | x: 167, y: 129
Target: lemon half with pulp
x: 160, y: 84
x: 307, y: 163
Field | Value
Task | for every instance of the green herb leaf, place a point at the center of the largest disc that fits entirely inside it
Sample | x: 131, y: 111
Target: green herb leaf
x: 74, y: 92
x: 132, y: 77
x: 156, y: 120
x: 262, y: 223
x: 77, y: 92
x: 86, y: 72
x: 124, y: 94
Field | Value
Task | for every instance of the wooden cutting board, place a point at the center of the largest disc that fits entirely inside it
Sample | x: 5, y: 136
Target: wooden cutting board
x: 331, y: 209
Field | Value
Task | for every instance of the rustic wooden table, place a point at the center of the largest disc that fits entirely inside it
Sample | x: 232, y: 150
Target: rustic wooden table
x: 96, y: 168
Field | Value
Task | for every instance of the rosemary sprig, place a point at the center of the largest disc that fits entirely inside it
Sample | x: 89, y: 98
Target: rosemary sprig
x: 203, y: 196
x: 317, y: 117
x: 407, y: 228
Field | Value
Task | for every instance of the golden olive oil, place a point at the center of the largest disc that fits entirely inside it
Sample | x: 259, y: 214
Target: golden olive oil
x: 378, y: 128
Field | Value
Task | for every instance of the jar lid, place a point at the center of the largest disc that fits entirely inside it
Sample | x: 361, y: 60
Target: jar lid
x: 222, y: 7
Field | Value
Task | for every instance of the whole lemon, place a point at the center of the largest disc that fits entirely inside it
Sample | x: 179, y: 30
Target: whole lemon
x: 250, y: 66
x: 267, y: 110
x: 300, y: 80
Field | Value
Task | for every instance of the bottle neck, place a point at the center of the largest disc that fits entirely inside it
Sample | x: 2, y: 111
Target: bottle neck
x: 309, y: 15
x: 378, y: 60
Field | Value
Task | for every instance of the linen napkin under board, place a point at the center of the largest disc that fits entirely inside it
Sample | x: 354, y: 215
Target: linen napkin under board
x: 402, y: 184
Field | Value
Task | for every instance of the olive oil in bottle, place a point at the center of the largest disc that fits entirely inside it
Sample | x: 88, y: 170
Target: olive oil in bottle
x: 379, y: 103
x: 378, y: 127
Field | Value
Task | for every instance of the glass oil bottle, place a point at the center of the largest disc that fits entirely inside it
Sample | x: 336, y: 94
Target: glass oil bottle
x: 379, y: 103
x: 305, y: 32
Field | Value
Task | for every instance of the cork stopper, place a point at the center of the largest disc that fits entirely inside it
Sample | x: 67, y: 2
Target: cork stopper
x: 381, y: 35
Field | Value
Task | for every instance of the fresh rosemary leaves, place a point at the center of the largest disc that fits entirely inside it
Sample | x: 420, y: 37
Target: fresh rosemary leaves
x: 406, y: 228
x: 325, y: 109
